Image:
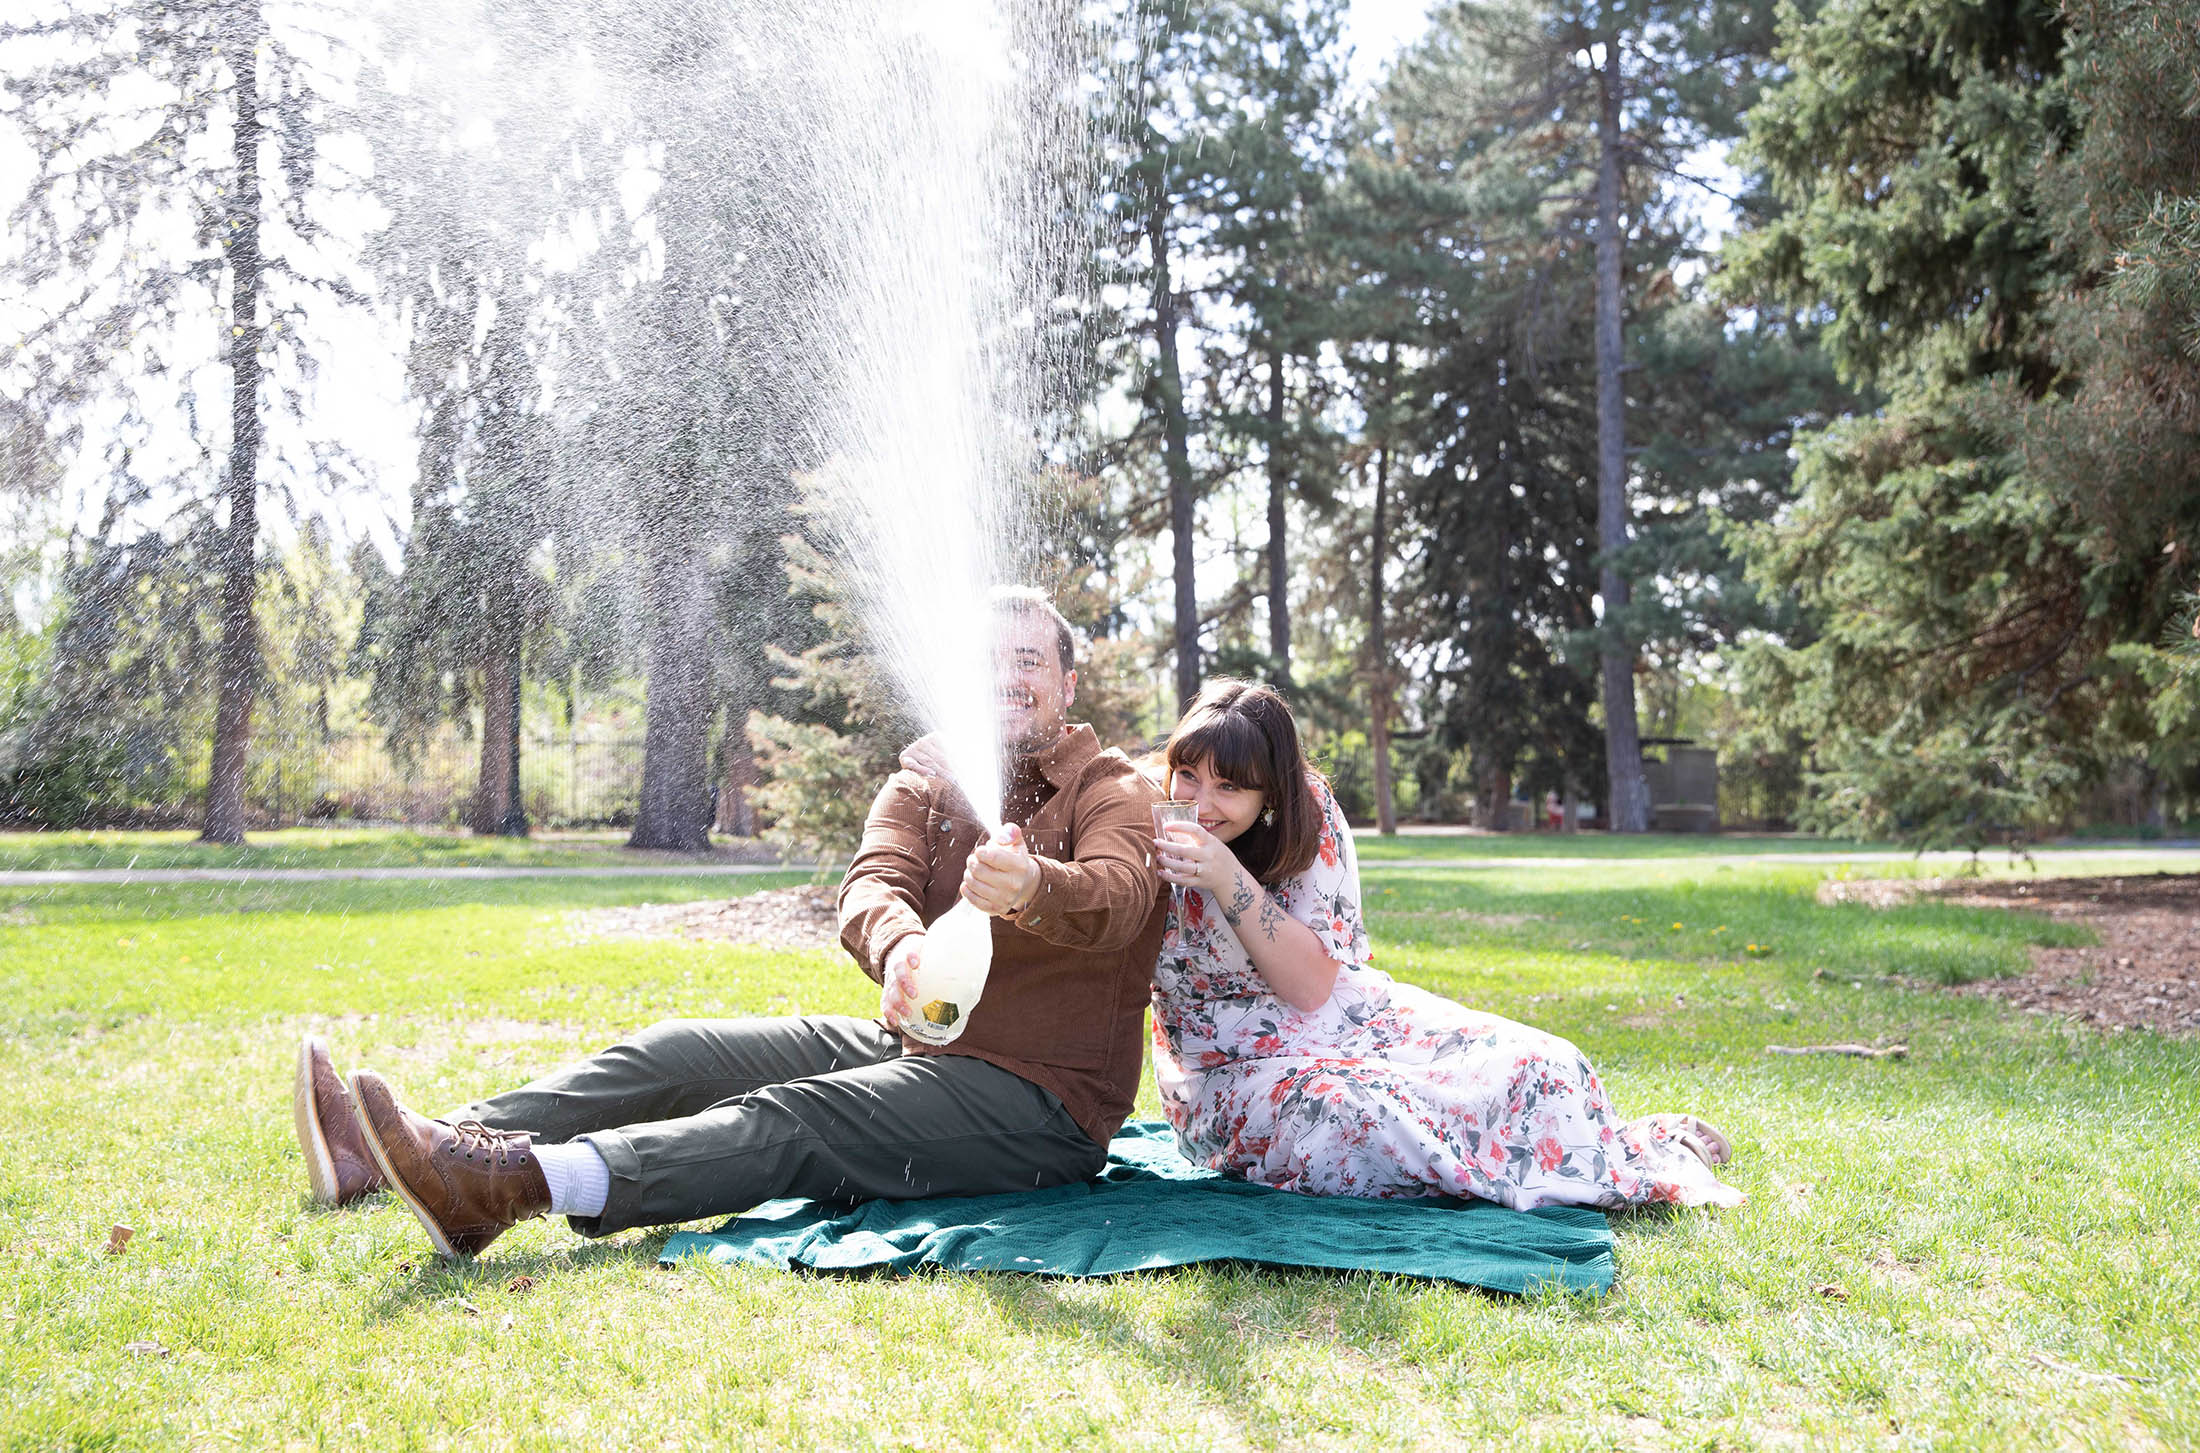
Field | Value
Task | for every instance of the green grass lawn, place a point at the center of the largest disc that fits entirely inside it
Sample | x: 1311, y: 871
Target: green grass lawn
x: 317, y: 847
x: 1461, y: 844
x: 1419, y: 846
x: 1994, y: 1216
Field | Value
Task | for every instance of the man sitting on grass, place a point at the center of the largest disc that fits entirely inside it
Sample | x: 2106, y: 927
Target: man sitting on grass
x: 707, y: 1117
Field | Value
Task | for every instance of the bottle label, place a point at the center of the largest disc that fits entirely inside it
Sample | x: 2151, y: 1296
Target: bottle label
x: 941, y: 1012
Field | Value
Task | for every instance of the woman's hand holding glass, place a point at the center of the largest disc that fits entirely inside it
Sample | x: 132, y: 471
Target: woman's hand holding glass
x: 1186, y: 855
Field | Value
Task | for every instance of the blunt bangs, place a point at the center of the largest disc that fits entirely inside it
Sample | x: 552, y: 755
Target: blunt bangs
x: 1226, y: 743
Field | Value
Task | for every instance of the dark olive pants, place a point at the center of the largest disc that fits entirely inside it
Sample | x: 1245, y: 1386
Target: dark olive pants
x: 708, y: 1117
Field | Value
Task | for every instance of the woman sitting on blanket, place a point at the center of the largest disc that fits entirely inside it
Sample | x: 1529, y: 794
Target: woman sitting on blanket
x: 1285, y: 1058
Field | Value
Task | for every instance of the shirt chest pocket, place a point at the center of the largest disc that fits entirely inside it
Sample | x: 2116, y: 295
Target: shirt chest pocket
x: 950, y: 839
x: 953, y: 839
x: 1048, y: 833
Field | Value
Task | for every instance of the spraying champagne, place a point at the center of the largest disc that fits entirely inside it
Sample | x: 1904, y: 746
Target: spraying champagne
x: 1033, y: 684
x: 950, y: 974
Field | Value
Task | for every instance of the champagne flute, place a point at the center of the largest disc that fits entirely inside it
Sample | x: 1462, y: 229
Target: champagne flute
x: 1166, y: 814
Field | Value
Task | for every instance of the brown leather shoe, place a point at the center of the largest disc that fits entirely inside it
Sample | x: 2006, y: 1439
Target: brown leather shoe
x: 338, y: 1163
x: 466, y: 1183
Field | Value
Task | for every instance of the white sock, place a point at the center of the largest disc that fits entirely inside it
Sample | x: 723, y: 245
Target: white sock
x: 579, y: 1180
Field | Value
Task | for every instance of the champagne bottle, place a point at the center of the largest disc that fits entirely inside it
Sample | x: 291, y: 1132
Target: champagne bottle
x: 950, y: 974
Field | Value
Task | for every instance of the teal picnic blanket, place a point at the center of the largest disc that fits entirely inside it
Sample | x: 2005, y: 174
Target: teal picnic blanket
x: 1151, y: 1208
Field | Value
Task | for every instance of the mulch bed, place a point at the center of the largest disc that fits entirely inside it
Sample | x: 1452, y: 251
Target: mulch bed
x: 803, y: 917
x: 2144, y: 973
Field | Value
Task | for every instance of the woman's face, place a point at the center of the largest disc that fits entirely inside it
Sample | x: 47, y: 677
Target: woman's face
x: 1225, y: 808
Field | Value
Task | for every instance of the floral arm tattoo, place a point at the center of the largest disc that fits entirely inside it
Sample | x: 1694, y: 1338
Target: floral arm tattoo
x: 1240, y: 899
x: 1242, y: 896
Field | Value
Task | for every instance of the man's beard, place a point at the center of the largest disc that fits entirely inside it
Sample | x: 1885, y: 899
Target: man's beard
x: 1032, y: 740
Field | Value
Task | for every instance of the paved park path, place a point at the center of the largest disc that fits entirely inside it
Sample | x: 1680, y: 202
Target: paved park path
x: 35, y: 877
x: 2172, y: 859
x: 2178, y: 859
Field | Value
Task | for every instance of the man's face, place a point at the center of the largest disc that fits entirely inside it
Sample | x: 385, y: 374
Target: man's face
x: 1033, y: 691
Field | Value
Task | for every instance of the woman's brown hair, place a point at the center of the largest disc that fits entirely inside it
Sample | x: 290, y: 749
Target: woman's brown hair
x: 1243, y: 732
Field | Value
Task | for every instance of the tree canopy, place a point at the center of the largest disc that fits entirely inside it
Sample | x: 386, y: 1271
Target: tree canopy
x: 1821, y: 382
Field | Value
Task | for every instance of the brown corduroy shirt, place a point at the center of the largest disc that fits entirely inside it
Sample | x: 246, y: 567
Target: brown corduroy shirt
x: 1065, y: 1003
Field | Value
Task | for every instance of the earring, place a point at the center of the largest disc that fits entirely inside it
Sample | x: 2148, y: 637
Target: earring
x: 1268, y: 817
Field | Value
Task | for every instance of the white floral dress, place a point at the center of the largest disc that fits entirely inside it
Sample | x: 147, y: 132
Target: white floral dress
x: 1386, y: 1090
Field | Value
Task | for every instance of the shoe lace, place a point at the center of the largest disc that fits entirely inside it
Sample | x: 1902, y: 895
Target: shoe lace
x: 493, y: 1144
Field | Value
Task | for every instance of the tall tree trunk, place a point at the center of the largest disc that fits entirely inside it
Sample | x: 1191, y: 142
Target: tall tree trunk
x: 1630, y: 806
x: 1176, y: 456
x: 513, y: 822
x: 1493, y: 799
x: 675, y: 806
x: 238, y: 658
x: 492, y: 780
x: 1380, y: 650
x: 496, y: 808
x: 736, y: 775
x: 1279, y: 494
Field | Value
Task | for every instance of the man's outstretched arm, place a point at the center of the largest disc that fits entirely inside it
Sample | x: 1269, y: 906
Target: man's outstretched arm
x: 882, y: 897
x: 1100, y: 900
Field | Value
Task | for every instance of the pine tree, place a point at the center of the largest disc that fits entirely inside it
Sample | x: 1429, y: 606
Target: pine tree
x: 122, y: 697
x: 1974, y: 201
x: 1380, y: 234
x: 459, y: 270
x: 122, y: 170
x: 1725, y: 394
x: 1152, y: 207
x: 616, y: 410
x: 1454, y: 263
x: 449, y: 629
x: 1604, y: 101
x: 1267, y: 113
x: 711, y: 479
